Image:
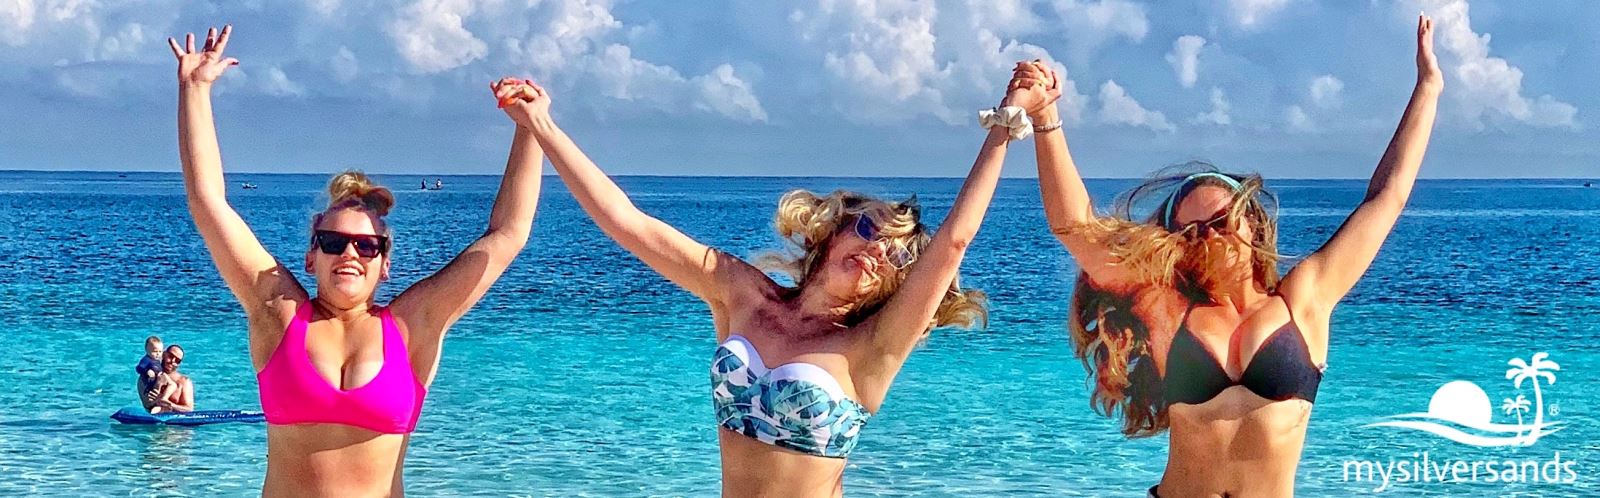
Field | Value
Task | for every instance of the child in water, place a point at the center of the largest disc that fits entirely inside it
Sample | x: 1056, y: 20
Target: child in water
x: 149, y: 368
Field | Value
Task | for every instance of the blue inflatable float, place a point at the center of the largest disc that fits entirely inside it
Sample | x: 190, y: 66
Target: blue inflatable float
x: 138, y: 415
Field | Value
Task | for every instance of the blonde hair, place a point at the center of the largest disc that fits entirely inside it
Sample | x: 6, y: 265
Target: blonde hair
x: 807, y: 223
x: 1107, y: 336
x: 353, y: 189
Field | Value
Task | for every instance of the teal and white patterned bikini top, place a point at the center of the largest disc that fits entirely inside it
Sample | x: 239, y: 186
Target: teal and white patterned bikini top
x: 797, y: 406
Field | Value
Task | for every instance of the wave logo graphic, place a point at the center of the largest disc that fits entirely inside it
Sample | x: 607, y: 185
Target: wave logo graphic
x: 1460, y: 410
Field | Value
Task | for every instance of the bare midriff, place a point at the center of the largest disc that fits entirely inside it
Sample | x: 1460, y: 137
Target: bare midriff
x: 306, y: 460
x: 751, y: 468
x: 1236, y: 445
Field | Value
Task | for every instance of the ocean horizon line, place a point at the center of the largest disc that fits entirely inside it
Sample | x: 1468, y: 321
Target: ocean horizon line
x: 656, y: 175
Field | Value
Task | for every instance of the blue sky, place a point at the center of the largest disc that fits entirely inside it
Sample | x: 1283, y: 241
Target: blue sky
x: 1290, y: 88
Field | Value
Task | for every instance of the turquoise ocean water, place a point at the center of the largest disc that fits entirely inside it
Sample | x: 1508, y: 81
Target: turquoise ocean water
x: 584, y: 374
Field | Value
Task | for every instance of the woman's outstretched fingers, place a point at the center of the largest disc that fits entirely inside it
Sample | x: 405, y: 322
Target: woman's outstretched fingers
x: 188, y: 43
x: 211, y: 39
x: 222, y: 39
x: 176, y: 50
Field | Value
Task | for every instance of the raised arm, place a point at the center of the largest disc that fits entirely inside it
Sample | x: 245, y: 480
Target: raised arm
x: 1324, y: 277
x: 904, y: 319
x: 431, y: 305
x: 691, y: 265
x: 255, y: 278
x: 1067, y: 206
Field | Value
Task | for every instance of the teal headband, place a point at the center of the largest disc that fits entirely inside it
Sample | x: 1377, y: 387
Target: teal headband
x: 1172, y: 199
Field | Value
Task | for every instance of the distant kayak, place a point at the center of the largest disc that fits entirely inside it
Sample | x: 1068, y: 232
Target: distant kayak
x: 138, y: 415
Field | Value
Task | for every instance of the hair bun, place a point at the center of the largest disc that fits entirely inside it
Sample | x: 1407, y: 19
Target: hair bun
x: 354, y: 188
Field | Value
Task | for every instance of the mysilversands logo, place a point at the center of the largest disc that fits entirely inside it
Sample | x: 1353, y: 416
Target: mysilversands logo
x: 1460, y: 411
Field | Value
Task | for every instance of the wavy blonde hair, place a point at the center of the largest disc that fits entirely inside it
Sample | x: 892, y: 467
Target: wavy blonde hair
x: 1110, y: 339
x: 808, y: 222
x: 353, y: 189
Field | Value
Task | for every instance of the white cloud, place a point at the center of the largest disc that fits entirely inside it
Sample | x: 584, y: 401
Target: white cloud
x: 628, y: 78
x: 62, y: 32
x: 724, y: 93
x: 569, y: 42
x: 1088, y: 24
x: 1015, y: 14
x: 259, y: 80
x: 1485, y: 86
x: 16, y: 17
x: 61, y: 10
x: 126, y: 43
x: 1218, y: 115
x: 571, y: 34
x: 1185, y: 59
x: 1117, y: 107
x: 431, y: 38
x: 662, y: 87
x: 277, y: 84
x: 565, y: 44
x: 890, y: 61
x: 1298, y: 120
x: 1326, y: 91
x: 1247, y: 14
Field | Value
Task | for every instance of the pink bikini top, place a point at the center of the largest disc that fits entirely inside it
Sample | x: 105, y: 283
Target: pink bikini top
x: 293, y: 393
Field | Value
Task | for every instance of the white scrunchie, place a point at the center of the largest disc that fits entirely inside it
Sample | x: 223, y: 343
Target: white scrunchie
x: 1011, y: 117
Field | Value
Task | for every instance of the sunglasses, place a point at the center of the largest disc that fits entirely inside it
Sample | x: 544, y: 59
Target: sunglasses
x: 333, y: 243
x: 868, y: 231
x: 1218, y: 225
x: 174, y: 359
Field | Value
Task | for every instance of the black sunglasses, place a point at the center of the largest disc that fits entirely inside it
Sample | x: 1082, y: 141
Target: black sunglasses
x: 333, y: 243
x: 1202, y: 229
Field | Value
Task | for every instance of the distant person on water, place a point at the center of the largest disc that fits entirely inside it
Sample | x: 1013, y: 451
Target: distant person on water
x: 174, y: 392
x: 341, y: 378
x: 438, y: 184
x: 801, y: 368
x: 1180, y: 313
x: 149, y: 368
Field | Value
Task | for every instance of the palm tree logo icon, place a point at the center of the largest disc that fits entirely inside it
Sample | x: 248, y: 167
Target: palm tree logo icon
x: 1518, y: 406
x: 1539, y: 368
x: 1460, y: 410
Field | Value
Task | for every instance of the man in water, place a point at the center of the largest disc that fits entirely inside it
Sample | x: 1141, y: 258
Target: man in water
x: 149, y: 368
x: 174, y: 391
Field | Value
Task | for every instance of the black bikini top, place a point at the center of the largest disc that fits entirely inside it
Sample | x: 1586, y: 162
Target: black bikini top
x: 1280, y: 370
